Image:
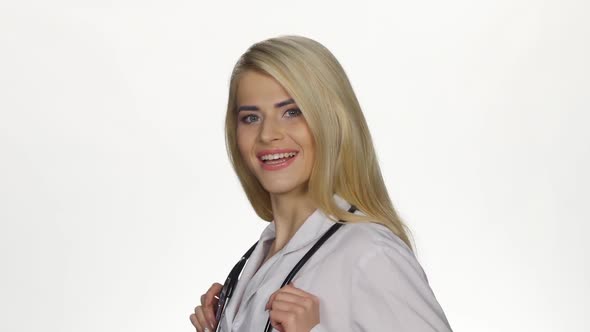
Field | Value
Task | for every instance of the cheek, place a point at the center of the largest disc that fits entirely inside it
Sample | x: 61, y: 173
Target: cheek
x: 305, y: 139
x: 310, y: 148
x: 244, y: 142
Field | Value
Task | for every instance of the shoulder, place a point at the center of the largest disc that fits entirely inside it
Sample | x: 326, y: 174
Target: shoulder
x: 373, y: 244
x: 370, y: 235
x: 373, y: 237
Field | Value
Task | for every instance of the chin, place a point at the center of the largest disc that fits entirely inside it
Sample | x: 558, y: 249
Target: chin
x: 282, y: 188
x: 278, y: 190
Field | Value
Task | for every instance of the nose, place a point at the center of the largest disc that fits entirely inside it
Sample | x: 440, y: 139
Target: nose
x: 270, y: 130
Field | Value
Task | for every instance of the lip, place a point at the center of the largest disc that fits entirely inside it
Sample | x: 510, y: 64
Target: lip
x: 275, y: 167
x: 259, y: 154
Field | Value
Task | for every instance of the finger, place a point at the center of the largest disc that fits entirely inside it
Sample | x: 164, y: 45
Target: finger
x: 290, y: 288
x: 201, y: 318
x: 210, y: 302
x: 287, y: 297
x: 212, y: 296
x: 290, y: 293
x: 215, y: 289
x: 297, y: 308
x: 270, y: 300
x: 282, y: 320
x: 209, y: 313
x: 195, y: 322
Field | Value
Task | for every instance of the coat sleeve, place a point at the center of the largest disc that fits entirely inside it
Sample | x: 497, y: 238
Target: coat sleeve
x: 391, y: 293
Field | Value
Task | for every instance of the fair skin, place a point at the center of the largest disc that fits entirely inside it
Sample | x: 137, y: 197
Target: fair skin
x: 269, y: 119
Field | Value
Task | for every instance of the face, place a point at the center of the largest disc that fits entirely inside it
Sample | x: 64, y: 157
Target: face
x: 272, y: 135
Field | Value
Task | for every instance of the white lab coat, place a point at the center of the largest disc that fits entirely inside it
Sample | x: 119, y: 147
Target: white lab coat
x: 365, y: 277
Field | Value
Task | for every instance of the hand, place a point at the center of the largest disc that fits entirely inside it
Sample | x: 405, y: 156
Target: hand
x: 204, y: 316
x: 293, y: 310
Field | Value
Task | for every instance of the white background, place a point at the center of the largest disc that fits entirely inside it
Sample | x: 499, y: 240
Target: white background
x: 119, y: 208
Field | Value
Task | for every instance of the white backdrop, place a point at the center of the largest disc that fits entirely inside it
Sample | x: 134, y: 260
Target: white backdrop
x: 117, y: 197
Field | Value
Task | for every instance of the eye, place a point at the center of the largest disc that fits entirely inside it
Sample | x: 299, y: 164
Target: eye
x: 293, y: 112
x: 249, y: 118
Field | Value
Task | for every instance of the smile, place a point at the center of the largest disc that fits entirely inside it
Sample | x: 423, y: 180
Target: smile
x: 273, y: 162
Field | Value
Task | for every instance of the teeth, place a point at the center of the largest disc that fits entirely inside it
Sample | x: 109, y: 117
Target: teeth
x: 278, y: 156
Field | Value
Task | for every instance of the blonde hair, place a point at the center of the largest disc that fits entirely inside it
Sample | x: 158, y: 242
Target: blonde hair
x: 345, y: 160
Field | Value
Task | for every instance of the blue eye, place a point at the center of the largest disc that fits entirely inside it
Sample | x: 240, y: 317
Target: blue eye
x: 293, y: 112
x: 249, y: 118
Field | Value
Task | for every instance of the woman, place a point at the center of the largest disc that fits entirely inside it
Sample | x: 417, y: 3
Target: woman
x: 299, y: 143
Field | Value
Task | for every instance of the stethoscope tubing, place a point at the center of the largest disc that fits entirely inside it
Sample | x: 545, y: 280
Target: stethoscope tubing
x: 224, y: 297
x: 303, y: 260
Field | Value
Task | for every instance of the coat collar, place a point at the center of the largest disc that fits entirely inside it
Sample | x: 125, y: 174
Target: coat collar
x: 314, y: 226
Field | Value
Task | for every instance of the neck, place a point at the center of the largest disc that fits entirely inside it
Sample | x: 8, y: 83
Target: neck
x: 290, y: 211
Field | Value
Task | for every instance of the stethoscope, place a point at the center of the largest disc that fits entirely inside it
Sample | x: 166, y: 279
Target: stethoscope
x: 232, y: 279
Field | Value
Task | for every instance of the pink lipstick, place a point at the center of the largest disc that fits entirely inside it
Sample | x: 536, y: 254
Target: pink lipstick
x: 276, y: 164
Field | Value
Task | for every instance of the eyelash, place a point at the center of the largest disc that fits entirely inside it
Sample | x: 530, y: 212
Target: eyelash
x: 244, y: 119
x: 296, y: 110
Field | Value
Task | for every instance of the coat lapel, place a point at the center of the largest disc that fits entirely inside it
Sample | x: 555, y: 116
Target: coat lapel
x: 251, y: 266
x: 250, y: 281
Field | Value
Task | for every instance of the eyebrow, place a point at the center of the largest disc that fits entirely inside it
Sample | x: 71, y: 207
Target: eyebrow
x: 277, y: 105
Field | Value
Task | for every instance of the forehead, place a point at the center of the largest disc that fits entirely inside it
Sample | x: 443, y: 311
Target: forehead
x: 257, y: 88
